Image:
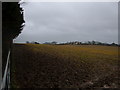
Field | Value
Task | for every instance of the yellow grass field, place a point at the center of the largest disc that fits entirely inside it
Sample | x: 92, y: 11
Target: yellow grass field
x: 67, y: 66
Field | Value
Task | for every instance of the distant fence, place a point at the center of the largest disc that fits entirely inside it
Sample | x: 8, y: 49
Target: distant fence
x: 5, y: 85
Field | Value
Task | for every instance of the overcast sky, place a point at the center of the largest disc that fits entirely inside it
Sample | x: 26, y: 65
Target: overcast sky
x: 62, y: 22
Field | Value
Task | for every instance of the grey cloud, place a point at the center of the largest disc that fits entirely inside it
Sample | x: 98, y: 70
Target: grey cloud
x: 70, y: 21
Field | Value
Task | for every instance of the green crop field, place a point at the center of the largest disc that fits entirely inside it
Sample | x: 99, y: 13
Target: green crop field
x: 67, y: 66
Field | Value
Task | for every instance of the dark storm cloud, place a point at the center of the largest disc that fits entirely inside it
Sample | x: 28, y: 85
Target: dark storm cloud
x: 62, y: 22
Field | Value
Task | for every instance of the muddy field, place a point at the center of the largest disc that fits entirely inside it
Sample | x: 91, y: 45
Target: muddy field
x: 66, y: 66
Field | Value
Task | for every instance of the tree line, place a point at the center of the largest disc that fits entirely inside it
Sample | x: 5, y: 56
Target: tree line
x: 76, y: 43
